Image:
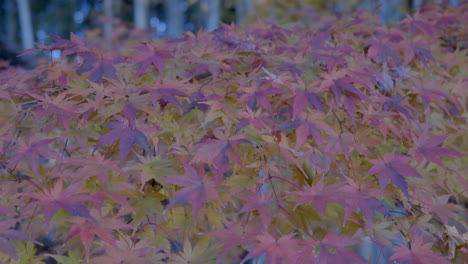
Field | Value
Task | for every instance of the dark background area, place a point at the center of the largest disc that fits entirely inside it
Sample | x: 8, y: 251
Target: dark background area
x: 25, y: 22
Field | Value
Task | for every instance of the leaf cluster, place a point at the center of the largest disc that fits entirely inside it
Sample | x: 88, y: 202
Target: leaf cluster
x: 292, y: 143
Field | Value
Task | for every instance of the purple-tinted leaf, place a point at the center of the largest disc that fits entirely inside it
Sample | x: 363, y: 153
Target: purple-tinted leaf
x: 393, y: 169
x: 394, y: 103
x: 289, y: 125
x: 126, y: 135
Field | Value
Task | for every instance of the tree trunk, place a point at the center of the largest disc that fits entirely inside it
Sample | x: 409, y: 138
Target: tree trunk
x: 140, y: 13
x: 11, y: 24
x: 243, y: 9
x: 211, y: 9
x: 391, y: 10
x: 27, y: 36
x: 108, y: 12
x: 175, y: 19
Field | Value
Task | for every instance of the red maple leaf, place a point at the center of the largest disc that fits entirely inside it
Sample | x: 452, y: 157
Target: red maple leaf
x: 417, y: 48
x: 149, y: 56
x: 428, y: 90
x: 66, y: 46
x: 6, y: 211
x: 427, y: 148
x: 196, y: 189
x: 341, y: 143
x: 442, y: 208
x: 362, y: 197
x: 282, y: 250
x: 393, y: 169
x: 129, y: 250
x: 32, y: 153
x: 236, y: 234
x: 382, y: 47
x: 58, y: 106
x: 419, y: 253
x: 395, y: 103
x: 96, y: 165
x: 303, y: 97
x: 341, y: 251
x: 312, y: 126
x: 262, y: 203
x: 343, y: 88
x: 166, y: 93
x: 320, y: 194
x: 255, y: 94
x: 420, y: 23
x: 68, y: 199
x: 221, y: 151
x: 98, y: 64
x: 257, y: 119
x: 126, y: 134
x: 88, y: 230
x: 7, y: 233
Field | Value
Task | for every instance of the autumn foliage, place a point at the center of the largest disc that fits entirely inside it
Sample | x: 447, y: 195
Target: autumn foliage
x: 291, y: 143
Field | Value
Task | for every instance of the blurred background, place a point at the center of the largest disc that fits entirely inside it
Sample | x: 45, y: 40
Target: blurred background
x: 25, y: 22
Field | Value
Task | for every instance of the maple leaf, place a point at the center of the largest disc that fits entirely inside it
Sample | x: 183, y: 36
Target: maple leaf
x: 126, y: 134
x: 7, y: 234
x: 257, y: 119
x: 221, y: 151
x: 362, y: 197
x: 282, y: 250
x: 383, y: 235
x: 428, y: 90
x: 66, y: 46
x: 99, y: 198
x: 235, y: 234
x: 149, y: 56
x: 203, y: 252
x: 72, y: 258
x: 341, y: 143
x: 63, y: 109
x: 98, y: 64
x: 333, y: 57
x: 320, y: 194
x: 253, y: 95
x: 197, y: 99
x: 127, y: 250
x: 394, y: 103
x: 96, y: 165
x: 420, y: 23
x: 341, y: 253
x: 153, y: 168
x: 442, y: 208
x: 303, y: 97
x: 417, y: 48
x: 318, y: 161
x: 382, y: 47
x: 60, y: 198
x: 393, y: 169
x: 312, y: 126
x: 196, y: 189
x: 88, y: 230
x: 32, y: 153
x: 427, y: 148
x: 4, y: 210
x: 454, y: 239
x: 343, y: 88
x: 166, y: 93
x: 262, y: 203
x: 419, y: 253
x: 146, y: 203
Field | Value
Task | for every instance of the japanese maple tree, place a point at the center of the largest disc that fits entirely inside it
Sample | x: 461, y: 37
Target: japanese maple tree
x: 291, y: 144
